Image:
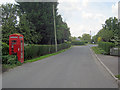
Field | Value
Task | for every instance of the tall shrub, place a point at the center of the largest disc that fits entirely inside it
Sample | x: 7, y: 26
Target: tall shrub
x: 106, y: 46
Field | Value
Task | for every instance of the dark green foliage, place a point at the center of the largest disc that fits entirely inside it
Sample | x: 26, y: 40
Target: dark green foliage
x: 5, y: 49
x: 86, y: 37
x: 63, y: 32
x: 9, y: 59
x: 94, y: 39
x: 110, y: 31
x: 27, y: 29
x: 40, y: 15
x: 106, y: 46
x: 9, y: 21
x: 33, y: 51
x: 78, y: 43
x: 36, y: 22
x: 6, y: 58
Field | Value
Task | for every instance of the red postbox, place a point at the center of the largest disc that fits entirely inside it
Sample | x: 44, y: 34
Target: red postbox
x: 16, y: 46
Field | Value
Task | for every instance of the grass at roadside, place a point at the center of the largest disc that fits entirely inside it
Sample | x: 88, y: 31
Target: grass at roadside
x: 6, y: 67
x: 98, y: 50
x: 118, y: 76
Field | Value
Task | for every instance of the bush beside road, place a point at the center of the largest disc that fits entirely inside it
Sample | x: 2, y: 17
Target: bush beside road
x: 106, y: 46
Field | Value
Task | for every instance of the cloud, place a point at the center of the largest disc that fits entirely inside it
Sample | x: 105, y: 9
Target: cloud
x: 69, y: 1
x: 87, y: 15
x: 115, y: 9
x: 65, y: 6
x: 7, y: 1
x: 94, y: 16
x: 85, y: 3
x: 68, y: 10
x: 81, y: 18
x: 92, y: 23
x: 78, y: 29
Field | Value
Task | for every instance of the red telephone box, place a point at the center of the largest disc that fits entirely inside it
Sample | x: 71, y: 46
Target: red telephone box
x: 16, y: 46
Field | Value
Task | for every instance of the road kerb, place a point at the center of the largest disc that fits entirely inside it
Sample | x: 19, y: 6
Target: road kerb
x: 116, y: 79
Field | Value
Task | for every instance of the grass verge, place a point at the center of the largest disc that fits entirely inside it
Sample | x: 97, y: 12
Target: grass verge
x: 6, y: 67
x: 118, y: 76
x: 98, y: 50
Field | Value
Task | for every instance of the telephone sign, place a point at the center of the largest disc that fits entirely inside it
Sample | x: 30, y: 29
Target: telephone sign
x: 16, y: 46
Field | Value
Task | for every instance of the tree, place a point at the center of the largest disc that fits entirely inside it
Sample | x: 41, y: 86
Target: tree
x: 73, y: 38
x: 106, y: 34
x: 41, y: 16
x: 86, y: 37
x: 80, y: 37
x: 63, y: 32
x: 95, y: 38
x: 27, y: 30
x: 9, y: 21
x: 10, y: 25
x: 110, y: 30
x: 99, y: 39
x: 35, y: 22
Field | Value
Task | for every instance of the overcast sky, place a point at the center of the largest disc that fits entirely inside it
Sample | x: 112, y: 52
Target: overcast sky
x: 83, y: 16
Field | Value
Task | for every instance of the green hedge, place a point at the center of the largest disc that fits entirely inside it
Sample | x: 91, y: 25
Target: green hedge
x: 5, y: 49
x: 78, y: 43
x: 6, y: 58
x: 106, y: 46
x: 33, y: 51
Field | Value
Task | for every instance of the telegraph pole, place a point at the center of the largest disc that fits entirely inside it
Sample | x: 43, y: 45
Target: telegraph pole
x: 55, y: 29
x: 119, y: 11
x: 90, y: 35
x: 90, y: 32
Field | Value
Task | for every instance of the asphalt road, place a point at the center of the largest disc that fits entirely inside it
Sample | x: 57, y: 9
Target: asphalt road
x: 74, y: 68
